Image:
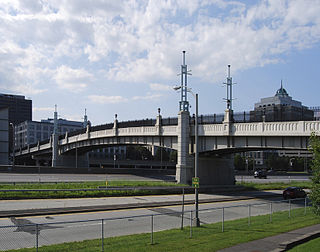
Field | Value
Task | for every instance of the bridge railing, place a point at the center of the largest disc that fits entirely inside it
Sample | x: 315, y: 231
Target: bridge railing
x: 207, y: 123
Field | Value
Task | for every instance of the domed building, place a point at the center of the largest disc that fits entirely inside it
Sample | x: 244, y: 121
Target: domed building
x: 280, y: 107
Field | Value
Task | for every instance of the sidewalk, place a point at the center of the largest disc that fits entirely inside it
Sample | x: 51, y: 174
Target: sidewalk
x: 19, y: 208
x: 278, y: 243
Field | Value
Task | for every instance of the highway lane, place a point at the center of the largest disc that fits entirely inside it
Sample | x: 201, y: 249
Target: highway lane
x: 35, y: 177
x: 62, y: 228
x: 27, y: 177
x: 272, y: 178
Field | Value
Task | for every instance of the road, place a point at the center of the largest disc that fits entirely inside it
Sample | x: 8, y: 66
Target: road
x: 272, y: 178
x: 76, y: 227
x: 21, y: 177
x: 28, y: 177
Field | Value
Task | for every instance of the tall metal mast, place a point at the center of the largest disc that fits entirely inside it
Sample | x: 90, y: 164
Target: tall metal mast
x: 184, y: 104
x: 55, y: 120
x: 229, y: 85
x: 85, y: 119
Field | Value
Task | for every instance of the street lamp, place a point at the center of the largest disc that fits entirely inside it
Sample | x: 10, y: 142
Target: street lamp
x: 176, y: 88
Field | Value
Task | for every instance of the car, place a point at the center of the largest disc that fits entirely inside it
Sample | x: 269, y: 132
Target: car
x: 260, y: 174
x: 293, y: 192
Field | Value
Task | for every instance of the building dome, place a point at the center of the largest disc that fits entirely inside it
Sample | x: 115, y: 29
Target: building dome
x: 281, y: 92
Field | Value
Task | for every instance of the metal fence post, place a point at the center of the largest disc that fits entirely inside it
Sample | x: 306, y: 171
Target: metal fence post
x: 190, y: 224
x: 102, y: 236
x: 182, y: 210
x: 270, y: 211
x: 37, y: 237
x: 305, y: 205
x: 222, y: 219
x: 289, y: 208
x: 249, y: 214
x: 151, y: 229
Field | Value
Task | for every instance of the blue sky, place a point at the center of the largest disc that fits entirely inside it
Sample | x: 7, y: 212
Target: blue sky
x: 122, y: 57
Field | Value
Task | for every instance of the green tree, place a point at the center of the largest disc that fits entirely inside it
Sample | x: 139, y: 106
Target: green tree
x: 315, y: 189
x: 239, y: 162
x: 161, y: 154
x: 173, y: 156
x: 138, y: 153
x: 275, y: 162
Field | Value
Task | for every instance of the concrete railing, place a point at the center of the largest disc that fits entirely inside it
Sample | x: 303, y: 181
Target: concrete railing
x: 299, y: 128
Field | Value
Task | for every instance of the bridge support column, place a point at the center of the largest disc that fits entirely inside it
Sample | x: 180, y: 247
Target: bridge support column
x: 216, y: 170
x: 184, y: 167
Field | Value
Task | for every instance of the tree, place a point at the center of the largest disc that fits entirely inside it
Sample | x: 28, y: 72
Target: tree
x: 173, y: 156
x: 274, y: 162
x: 138, y: 153
x: 239, y: 162
x: 161, y: 154
x: 315, y: 189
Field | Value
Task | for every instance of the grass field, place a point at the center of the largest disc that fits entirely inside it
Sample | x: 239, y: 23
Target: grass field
x: 83, y: 185
x: 123, y: 184
x: 311, y: 246
x: 208, y: 237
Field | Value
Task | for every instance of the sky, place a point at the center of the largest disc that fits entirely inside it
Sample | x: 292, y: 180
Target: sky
x: 123, y: 57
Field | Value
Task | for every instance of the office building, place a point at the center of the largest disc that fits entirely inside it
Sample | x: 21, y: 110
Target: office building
x: 280, y: 107
x: 4, y: 136
x: 30, y: 132
x: 20, y: 109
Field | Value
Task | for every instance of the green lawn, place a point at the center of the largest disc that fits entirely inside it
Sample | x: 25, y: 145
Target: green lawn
x: 208, y: 237
x: 97, y: 193
x: 84, y: 185
x: 311, y: 246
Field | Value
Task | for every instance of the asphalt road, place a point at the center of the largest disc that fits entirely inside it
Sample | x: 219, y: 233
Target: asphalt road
x: 76, y: 227
x: 27, y: 177
x: 20, y: 177
x: 272, y: 178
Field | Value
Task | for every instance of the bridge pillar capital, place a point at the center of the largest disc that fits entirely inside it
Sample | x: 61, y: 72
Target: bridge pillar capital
x: 159, y: 124
x: 228, y: 121
x: 115, y: 126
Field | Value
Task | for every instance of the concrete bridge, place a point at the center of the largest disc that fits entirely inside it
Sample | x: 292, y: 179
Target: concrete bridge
x: 216, y: 143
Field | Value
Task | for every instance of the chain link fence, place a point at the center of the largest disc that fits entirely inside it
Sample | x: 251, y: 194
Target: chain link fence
x: 25, y: 234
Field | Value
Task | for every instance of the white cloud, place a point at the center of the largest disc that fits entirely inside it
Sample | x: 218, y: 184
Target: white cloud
x: 45, y: 109
x: 101, y: 99
x: 151, y: 97
x: 160, y: 87
x: 27, y: 89
x: 74, y: 42
x: 74, y: 80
